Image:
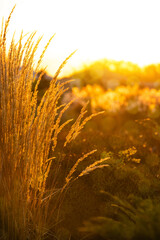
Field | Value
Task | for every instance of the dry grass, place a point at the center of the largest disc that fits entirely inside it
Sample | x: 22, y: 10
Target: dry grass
x: 27, y: 133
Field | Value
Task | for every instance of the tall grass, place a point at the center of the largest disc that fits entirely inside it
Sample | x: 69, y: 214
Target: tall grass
x: 28, y: 132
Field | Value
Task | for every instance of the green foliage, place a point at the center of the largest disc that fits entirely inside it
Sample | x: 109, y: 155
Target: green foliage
x: 135, y: 219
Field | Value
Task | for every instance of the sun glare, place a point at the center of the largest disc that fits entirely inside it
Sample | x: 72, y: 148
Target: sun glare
x: 118, y: 29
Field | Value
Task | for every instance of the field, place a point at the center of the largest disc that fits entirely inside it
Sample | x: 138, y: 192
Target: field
x: 79, y: 156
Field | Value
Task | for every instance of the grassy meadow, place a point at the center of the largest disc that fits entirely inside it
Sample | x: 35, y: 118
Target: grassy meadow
x: 79, y: 155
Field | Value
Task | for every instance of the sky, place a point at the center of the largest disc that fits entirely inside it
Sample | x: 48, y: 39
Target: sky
x: 126, y: 30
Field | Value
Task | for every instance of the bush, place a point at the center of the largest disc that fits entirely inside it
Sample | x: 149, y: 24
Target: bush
x: 28, y: 133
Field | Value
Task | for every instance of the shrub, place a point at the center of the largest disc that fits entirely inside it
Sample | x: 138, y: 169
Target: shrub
x: 135, y: 219
x: 28, y: 132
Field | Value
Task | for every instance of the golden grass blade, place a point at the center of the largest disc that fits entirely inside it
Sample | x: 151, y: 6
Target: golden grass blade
x: 94, y: 166
x: 73, y: 169
x: 63, y: 64
x: 43, y: 53
x: 6, y: 25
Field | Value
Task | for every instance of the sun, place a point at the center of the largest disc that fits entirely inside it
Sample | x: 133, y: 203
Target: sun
x: 117, y: 29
